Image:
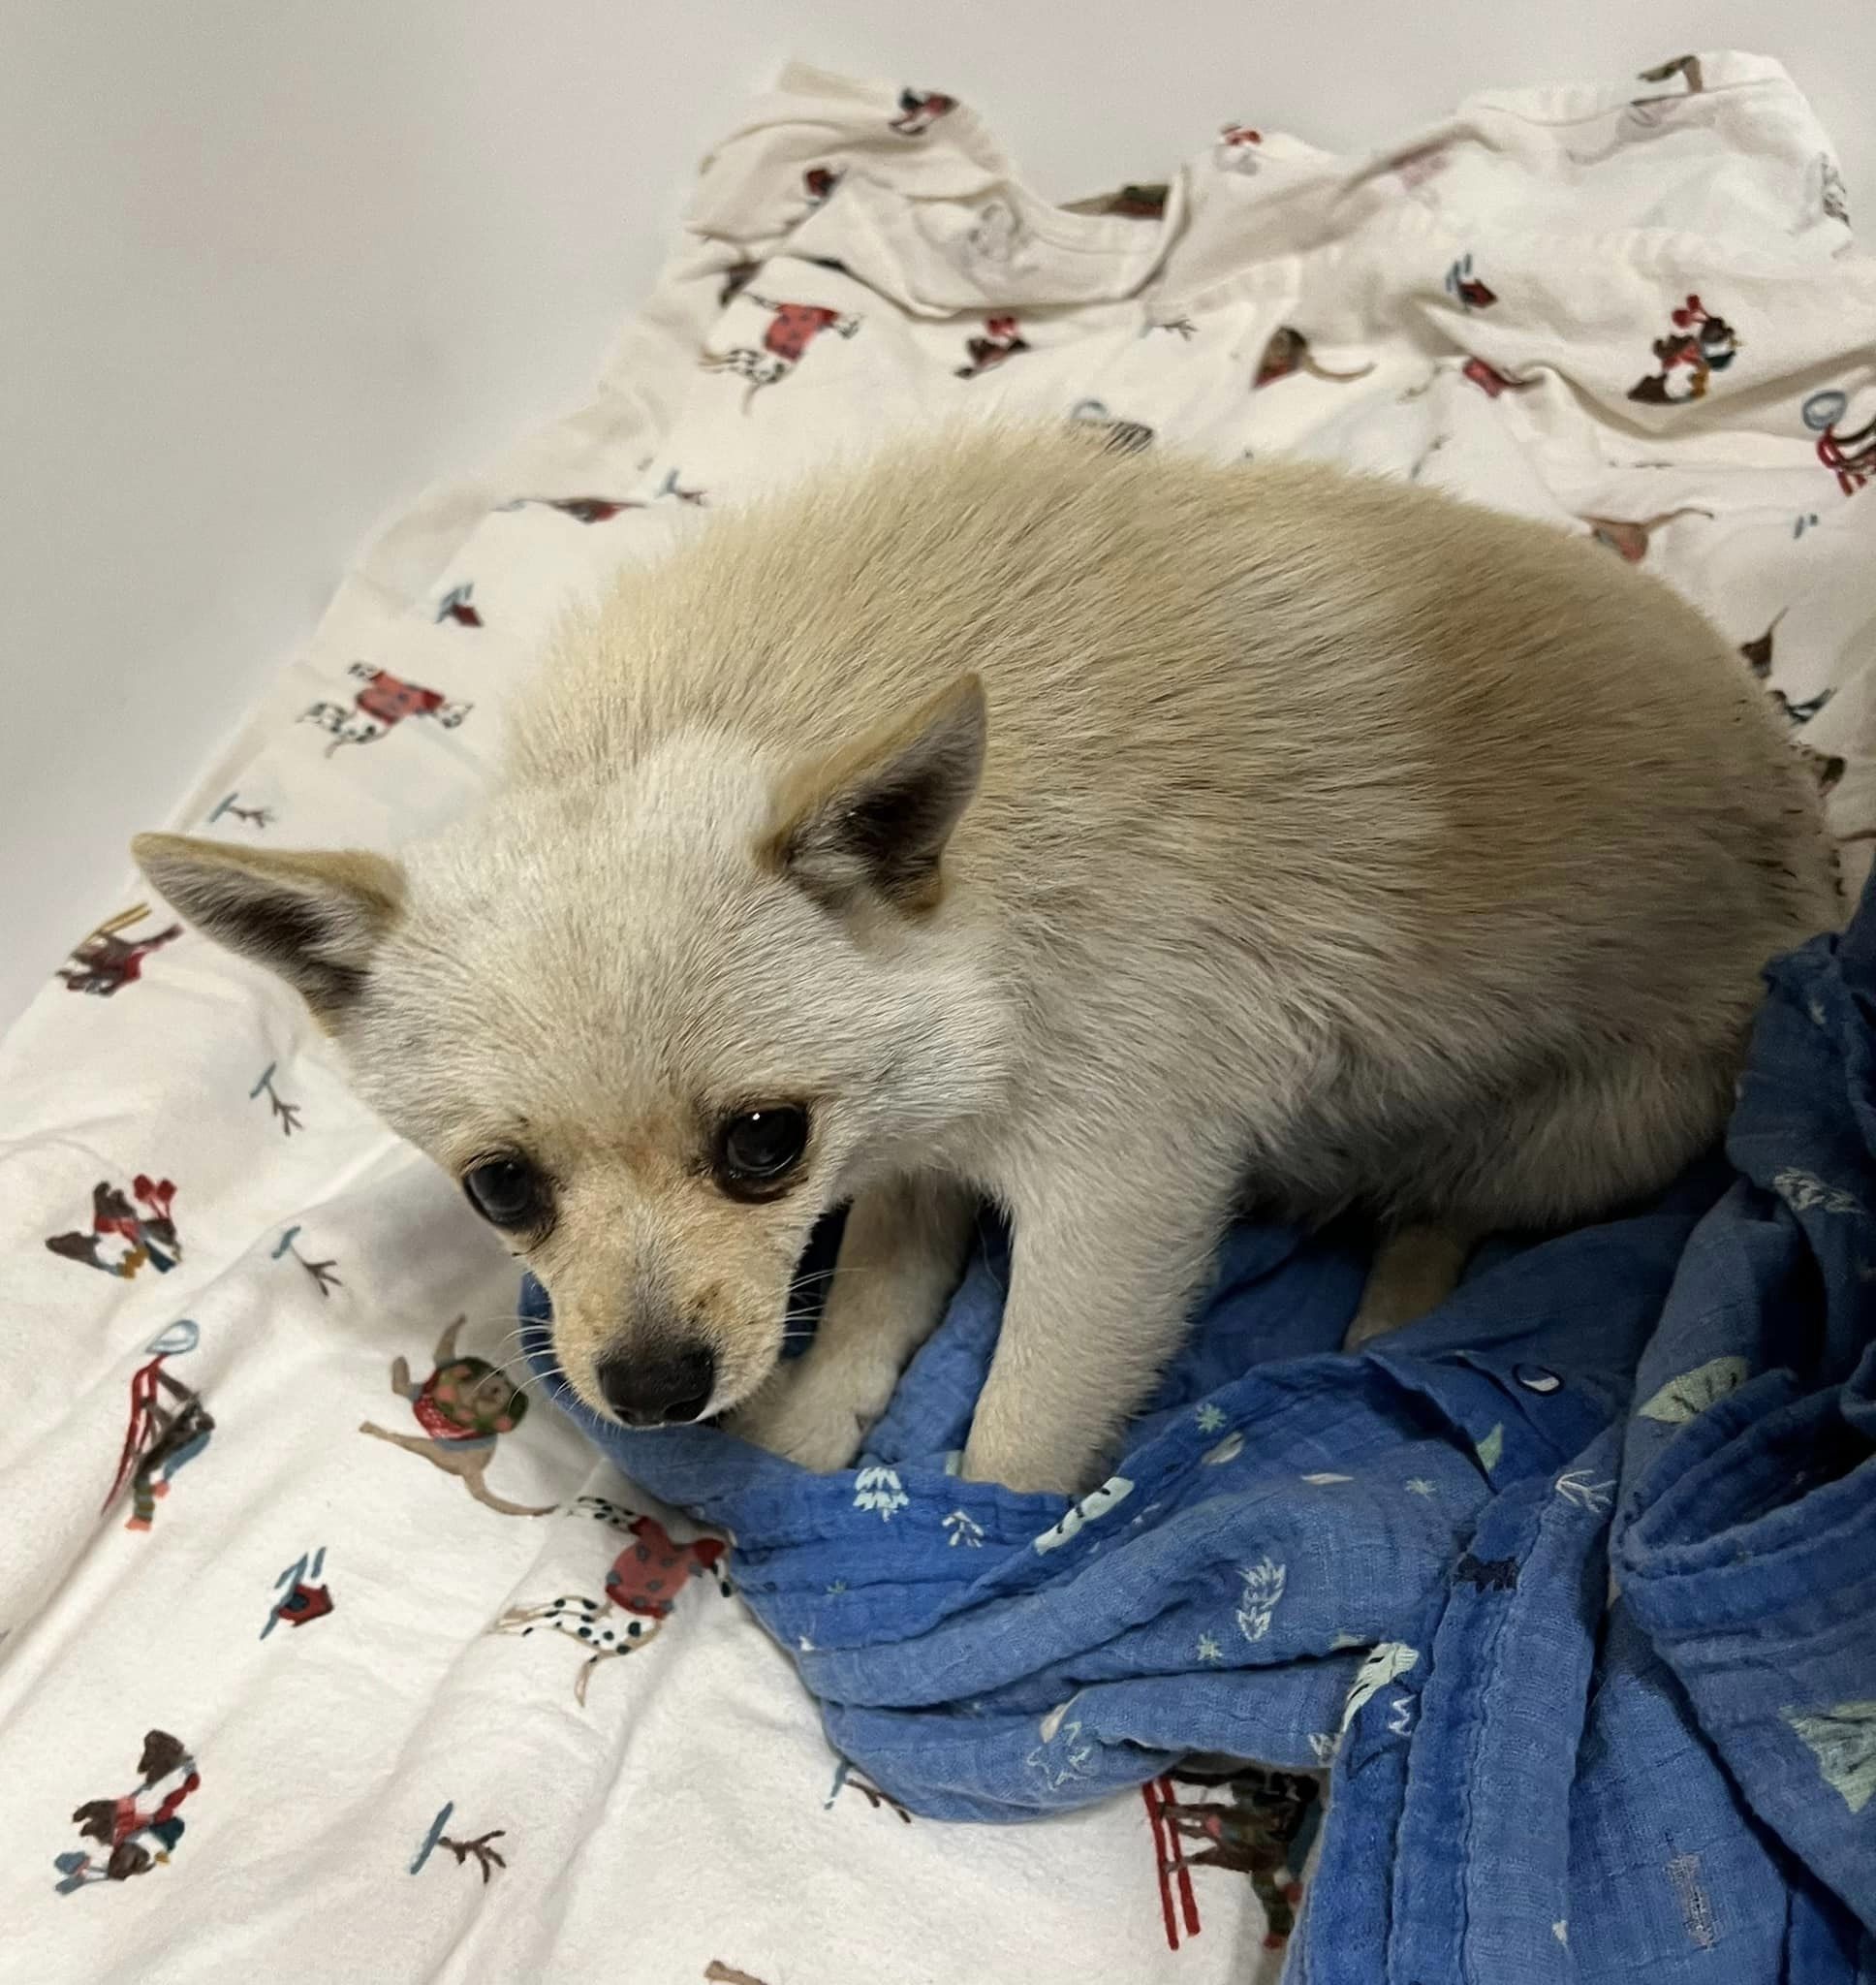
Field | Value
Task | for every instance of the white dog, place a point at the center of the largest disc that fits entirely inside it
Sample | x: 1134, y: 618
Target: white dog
x: 1110, y: 836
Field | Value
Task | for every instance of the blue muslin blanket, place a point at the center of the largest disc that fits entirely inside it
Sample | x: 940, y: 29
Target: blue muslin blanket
x: 1570, y: 1588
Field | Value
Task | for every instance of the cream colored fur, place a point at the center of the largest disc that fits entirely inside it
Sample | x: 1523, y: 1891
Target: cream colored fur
x: 1320, y: 838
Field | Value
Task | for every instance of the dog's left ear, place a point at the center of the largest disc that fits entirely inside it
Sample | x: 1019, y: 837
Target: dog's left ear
x: 314, y: 918
x: 877, y: 817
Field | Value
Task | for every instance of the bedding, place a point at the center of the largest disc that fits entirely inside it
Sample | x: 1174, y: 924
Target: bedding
x: 324, y: 1640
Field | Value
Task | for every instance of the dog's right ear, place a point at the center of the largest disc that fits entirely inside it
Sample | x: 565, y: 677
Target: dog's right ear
x: 877, y: 817
x: 313, y: 918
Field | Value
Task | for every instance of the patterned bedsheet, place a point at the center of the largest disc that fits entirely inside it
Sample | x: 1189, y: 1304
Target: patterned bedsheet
x: 322, y: 1641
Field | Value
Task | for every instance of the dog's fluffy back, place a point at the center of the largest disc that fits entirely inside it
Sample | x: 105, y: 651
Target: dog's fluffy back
x: 1386, y: 798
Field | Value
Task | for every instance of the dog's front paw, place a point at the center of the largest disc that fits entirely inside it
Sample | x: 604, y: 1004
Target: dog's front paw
x: 816, y: 1421
x: 1029, y: 1471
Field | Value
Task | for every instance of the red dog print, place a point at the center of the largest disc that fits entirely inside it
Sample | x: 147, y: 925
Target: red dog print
x: 792, y: 329
x: 642, y: 1586
x: 380, y: 706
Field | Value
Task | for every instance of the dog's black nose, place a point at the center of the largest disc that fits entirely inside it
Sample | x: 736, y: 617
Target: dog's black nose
x: 661, y: 1387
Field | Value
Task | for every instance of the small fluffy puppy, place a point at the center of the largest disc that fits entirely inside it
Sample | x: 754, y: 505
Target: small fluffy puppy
x: 1117, y: 837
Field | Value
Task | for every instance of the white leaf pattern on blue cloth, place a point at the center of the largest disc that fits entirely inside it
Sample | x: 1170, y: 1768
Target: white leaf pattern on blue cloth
x: 1843, y: 1741
x: 1070, y: 1759
x: 1095, y: 1503
x: 1577, y: 1488
x: 879, y: 1489
x: 1389, y: 1660
x: 1258, y: 1602
x: 1805, y: 1192
x: 1689, y: 1395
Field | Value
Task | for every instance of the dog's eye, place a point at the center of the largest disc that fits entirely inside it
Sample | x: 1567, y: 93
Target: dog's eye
x: 762, y: 1145
x: 507, y: 1192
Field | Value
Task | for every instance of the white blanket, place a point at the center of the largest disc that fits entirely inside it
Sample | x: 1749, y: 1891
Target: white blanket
x: 308, y: 1662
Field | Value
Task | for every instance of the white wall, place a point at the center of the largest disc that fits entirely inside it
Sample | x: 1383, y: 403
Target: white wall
x: 268, y: 269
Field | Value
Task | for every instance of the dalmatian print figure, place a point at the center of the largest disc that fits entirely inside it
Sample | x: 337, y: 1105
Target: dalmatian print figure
x: 380, y: 706
x: 792, y: 329
x: 641, y: 1588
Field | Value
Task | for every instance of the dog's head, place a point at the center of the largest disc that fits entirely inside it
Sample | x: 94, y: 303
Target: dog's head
x: 655, y: 1024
